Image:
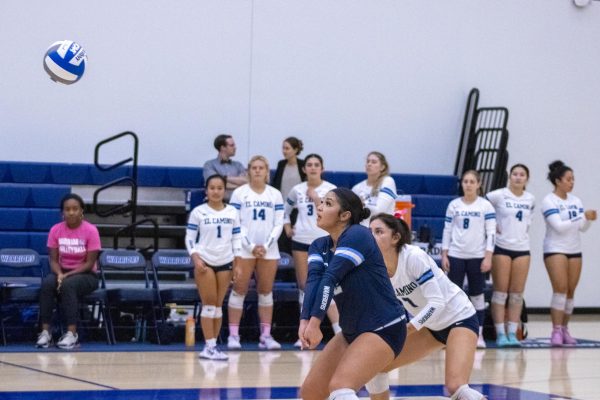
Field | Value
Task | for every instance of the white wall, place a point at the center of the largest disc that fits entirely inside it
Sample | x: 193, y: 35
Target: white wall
x: 345, y: 76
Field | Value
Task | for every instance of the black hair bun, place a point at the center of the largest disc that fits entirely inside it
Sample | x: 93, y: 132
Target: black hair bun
x: 556, y: 165
x: 365, y: 213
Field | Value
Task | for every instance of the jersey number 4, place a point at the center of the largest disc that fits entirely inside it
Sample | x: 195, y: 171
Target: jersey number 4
x: 519, y: 216
x: 259, y: 214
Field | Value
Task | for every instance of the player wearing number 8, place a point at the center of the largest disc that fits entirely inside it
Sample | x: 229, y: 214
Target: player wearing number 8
x: 212, y: 239
x: 260, y: 208
x: 468, y: 242
x: 306, y: 197
x: 510, y: 264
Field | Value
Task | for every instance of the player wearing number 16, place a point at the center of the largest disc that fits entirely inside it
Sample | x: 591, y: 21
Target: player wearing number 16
x: 468, y: 242
x: 260, y: 207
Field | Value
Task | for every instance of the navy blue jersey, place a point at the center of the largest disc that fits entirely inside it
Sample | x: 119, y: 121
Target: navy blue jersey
x: 355, y: 275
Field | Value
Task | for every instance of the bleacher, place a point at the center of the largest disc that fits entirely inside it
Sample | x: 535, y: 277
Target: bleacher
x: 30, y: 193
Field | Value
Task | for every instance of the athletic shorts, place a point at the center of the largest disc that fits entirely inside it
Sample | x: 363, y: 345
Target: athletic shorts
x: 297, y: 246
x: 471, y: 323
x: 219, y: 268
x: 571, y: 255
x: 510, y: 253
x: 394, y: 335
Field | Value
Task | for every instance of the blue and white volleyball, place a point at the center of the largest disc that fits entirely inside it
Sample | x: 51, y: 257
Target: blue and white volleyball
x: 65, y: 61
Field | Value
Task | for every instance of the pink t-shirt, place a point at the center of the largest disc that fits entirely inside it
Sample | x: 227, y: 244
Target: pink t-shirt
x: 74, y: 244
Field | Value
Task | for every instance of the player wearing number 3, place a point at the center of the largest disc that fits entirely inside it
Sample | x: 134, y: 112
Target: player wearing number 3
x: 306, y: 197
x: 468, y: 242
x: 260, y: 207
x: 510, y: 265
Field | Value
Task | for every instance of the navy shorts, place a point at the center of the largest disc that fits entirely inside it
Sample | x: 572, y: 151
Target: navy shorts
x: 394, y: 335
x: 571, y: 255
x: 297, y: 246
x: 510, y: 253
x: 220, y: 268
x: 471, y: 323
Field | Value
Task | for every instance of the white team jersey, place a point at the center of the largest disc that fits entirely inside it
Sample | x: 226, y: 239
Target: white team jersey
x: 564, y: 220
x: 513, y: 218
x: 427, y: 293
x: 383, y: 202
x: 305, y: 229
x: 261, y: 219
x: 469, y: 229
x: 213, y: 234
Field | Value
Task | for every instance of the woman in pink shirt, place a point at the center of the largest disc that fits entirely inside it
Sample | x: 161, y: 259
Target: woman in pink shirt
x: 73, y: 247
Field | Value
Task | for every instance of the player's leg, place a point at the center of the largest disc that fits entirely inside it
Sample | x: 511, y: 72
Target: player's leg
x: 235, y: 304
x: 501, y: 272
x: 557, y: 267
x: 460, y: 353
x: 476, y: 287
x: 316, y: 383
x: 574, y: 273
x: 265, y: 276
x: 223, y: 282
x: 518, y: 277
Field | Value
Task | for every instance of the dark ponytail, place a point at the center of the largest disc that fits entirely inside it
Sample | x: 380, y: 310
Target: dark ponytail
x: 349, y: 201
x: 558, y: 169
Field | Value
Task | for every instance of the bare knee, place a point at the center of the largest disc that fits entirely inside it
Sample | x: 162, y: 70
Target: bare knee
x: 311, y: 392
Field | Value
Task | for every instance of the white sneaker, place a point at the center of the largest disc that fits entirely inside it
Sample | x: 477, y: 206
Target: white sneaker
x: 481, y: 342
x: 68, y: 341
x: 233, y: 343
x: 298, y: 344
x: 212, y: 353
x: 267, y: 342
x: 44, y: 339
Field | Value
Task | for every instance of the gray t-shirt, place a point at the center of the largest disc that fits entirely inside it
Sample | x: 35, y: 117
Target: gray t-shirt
x: 289, y: 179
x: 224, y: 168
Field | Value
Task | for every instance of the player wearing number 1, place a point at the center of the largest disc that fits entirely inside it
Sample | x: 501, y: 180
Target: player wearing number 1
x: 260, y: 208
x: 306, y: 197
x: 510, y: 264
x: 468, y: 242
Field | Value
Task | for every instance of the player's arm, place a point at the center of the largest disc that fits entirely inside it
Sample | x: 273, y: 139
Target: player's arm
x: 191, y: 232
x: 289, y: 205
x: 387, y: 195
x: 447, y: 236
x: 277, y: 220
x: 552, y: 217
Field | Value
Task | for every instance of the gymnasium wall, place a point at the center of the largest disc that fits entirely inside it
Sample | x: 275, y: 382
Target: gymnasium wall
x: 345, y: 76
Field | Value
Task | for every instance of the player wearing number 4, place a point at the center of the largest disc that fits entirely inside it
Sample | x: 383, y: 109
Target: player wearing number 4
x: 510, y: 264
x: 468, y: 242
x: 213, y: 239
x: 260, y: 207
x: 306, y: 197
x: 442, y: 312
x: 565, y: 219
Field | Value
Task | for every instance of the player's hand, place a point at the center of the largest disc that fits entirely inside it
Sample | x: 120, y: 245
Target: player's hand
x: 289, y: 231
x: 59, y: 280
x: 590, y: 215
x: 445, y: 264
x: 486, y: 264
x: 198, y: 263
x: 259, y: 251
x: 313, y: 334
x: 301, y: 329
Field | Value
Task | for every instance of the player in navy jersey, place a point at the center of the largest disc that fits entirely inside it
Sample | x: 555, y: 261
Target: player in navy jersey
x: 468, y: 242
x: 213, y: 240
x: 305, y: 197
x: 260, y: 208
x: 442, y: 313
x: 565, y: 219
x: 348, y: 265
x: 510, y: 263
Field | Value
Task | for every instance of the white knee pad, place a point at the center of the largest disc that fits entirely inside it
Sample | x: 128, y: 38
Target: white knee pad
x: 208, y: 311
x: 379, y: 384
x: 343, y: 394
x: 218, y: 312
x: 515, y: 299
x: 466, y: 393
x: 478, y: 302
x: 559, y: 301
x: 236, y: 300
x: 265, y: 300
x: 570, y: 305
x: 499, y: 298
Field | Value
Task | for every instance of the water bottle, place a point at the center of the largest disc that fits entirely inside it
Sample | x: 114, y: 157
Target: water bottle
x: 190, y: 331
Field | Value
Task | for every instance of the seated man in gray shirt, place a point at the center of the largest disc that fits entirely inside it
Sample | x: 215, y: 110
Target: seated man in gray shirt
x: 233, y: 171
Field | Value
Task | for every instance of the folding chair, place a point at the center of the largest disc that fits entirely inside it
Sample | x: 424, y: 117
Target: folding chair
x: 20, y: 280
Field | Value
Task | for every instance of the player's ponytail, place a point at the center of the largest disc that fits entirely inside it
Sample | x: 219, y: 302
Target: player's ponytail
x: 349, y: 201
x: 557, y: 170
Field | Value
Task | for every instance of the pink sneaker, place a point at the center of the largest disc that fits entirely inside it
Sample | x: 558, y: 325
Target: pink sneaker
x: 567, y: 338
x: 556, y: 338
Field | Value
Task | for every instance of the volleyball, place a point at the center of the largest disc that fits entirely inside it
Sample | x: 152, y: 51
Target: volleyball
x: 65, y: 61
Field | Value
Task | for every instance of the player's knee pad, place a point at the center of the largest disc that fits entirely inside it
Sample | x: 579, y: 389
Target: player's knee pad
x: 559, y: 301
x: 569, y: 306
x: 515, y: 299
x: 236, y: 300
x: 499, y: 297
x: 208, y: 311
x: 265, y: 300
x: 379, y: 384
x: 343, y: 394
x: 218, y: 312
x: 466, y: 393
x: 478, y: 302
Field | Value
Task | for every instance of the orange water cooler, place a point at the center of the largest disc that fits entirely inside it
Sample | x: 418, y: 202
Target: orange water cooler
x: 404, y: 208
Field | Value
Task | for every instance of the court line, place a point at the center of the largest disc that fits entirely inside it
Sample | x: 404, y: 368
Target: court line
x: 58, y: 375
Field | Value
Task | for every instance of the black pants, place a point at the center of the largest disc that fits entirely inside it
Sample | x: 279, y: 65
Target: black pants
x: 72, y: 289
x: 460, y: 267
